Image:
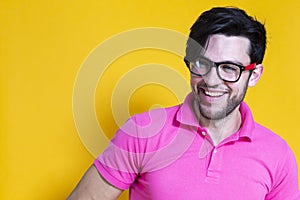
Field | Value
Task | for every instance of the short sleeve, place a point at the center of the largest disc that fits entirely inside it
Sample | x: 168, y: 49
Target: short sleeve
x: 119, y: 164
x: 285, y: 182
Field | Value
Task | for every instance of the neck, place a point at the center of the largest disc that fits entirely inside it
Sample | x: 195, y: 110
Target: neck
x: 219, y: 129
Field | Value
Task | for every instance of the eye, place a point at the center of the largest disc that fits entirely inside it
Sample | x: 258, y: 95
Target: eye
x: 199, y: 64
x: 229, y: 68
x: 202, y: 63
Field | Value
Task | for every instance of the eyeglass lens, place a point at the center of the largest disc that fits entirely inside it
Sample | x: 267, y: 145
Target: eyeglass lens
x: 226, y: 71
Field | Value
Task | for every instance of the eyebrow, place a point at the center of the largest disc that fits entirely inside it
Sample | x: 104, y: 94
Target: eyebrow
x: 225, y: 61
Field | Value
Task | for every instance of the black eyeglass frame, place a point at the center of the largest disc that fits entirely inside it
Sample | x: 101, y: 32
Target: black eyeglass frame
x: 249, y: 67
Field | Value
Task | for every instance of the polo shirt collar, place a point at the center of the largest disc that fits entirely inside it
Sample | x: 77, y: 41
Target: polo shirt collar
x: 186, y: 115
x: 247, y: 127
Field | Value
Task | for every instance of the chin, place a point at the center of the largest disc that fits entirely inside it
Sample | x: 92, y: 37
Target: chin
x: 216, y: 115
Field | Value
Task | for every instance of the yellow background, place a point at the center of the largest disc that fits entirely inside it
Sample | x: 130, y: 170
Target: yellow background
x: 44, y: 43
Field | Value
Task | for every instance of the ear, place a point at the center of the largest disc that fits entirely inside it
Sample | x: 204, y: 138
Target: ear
x: 256, y: 74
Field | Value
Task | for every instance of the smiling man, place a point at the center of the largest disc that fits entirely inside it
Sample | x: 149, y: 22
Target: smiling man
x: 220, y: 86
x: 209, y: 147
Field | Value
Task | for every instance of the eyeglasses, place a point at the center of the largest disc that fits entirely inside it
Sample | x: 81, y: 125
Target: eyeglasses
x: 227, y: 71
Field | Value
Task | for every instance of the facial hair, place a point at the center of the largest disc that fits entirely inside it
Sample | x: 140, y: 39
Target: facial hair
x: 232, y: 102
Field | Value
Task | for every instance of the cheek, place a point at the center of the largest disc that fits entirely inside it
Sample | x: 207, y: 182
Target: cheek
x: 242, y: 83
x: 238, y: 89
x: 194, y: 82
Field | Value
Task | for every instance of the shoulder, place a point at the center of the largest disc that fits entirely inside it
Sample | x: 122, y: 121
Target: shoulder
x: 155, y: 115
x: 268, y: 137
x: 272, y: 146
x: 263, y: 139
x: 151, y: 127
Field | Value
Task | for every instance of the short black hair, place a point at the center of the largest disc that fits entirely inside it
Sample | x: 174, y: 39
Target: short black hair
x: 229, y: 21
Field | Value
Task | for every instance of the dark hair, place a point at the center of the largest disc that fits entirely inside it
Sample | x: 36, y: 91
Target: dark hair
x: 229, y: 21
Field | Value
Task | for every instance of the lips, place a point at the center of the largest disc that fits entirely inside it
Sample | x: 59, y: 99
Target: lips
x: 212, y: 93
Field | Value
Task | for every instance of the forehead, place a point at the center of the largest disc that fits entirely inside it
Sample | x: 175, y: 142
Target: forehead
x: 228, y: 48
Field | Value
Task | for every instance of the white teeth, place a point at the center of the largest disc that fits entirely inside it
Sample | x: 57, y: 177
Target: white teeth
x: 213, y: 94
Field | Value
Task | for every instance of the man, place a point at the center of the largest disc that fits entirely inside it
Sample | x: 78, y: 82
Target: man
x: 209, y: 147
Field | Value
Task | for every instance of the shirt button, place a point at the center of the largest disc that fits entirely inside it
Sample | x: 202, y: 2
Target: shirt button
x: 215, y: 150
x: 203, y: 133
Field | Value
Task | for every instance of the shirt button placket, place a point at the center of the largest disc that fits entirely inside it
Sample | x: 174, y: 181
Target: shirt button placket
x: 215, y: 150
x: 214, y: 168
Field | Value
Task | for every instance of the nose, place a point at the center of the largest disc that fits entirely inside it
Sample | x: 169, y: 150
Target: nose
x: 212, y: 79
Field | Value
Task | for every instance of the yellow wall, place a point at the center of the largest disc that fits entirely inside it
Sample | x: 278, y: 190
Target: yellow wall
x: 43, y: 45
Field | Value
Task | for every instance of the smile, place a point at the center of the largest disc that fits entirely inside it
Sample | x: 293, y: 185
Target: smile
x: 213, y: 94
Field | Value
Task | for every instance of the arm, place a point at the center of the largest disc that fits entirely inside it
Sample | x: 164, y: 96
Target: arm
x: 93, y: 186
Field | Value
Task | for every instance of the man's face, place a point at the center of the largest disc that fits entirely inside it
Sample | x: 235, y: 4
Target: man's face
x: 216, y: 98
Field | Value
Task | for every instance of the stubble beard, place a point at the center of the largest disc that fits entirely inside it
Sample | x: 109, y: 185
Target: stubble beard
x: 226, y: 108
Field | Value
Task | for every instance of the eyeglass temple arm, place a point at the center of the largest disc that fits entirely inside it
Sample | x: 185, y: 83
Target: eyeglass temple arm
x: 250, y: 67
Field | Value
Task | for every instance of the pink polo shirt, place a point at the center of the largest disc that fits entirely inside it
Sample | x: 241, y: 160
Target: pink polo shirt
x: 165, y: 154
